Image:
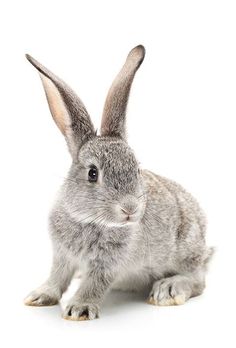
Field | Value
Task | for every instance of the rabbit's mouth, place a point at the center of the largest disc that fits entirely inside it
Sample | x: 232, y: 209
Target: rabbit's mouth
x: 130, y: 219
x: 126, y: 215
x: 130, y: 210
x: 129, y: 222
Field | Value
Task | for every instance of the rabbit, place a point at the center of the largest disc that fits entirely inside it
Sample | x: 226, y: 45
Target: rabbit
x: 119, y: 226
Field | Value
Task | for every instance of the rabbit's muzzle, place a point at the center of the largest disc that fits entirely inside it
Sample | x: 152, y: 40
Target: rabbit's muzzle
x: 129, y: 210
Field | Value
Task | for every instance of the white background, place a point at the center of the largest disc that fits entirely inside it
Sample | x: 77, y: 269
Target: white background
x: 181, y: 122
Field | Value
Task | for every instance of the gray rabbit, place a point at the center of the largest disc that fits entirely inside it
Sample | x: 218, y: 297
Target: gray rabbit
x: 119, y: 226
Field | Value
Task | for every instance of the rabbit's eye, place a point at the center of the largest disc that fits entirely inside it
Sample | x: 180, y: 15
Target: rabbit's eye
x: 93, y: 174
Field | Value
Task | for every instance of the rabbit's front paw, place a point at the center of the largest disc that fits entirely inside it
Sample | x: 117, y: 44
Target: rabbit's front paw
x: 170, y: 291
x: 80, y: 311
x: 40, y: 298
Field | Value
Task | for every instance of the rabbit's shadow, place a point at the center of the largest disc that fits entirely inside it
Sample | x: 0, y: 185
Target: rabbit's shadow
x: 117, y: 300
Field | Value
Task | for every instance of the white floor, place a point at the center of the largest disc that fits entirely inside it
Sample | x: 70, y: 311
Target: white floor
x: 126, y: 320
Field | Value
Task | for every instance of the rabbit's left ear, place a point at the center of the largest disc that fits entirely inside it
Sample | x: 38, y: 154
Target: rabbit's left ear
x: 68, y: 111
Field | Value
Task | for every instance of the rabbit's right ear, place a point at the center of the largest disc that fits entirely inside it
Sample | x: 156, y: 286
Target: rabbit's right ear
x: 66, y: 108
x: 114, y: 113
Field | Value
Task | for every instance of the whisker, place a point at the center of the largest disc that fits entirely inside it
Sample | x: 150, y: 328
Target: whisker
x: 79, y: 210
x: 96, y: 218
x: 87, y: 217
x: 88, y: 199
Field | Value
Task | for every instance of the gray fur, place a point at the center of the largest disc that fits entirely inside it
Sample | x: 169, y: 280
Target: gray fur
x: 114, y: 113
x: 80, y: 127
x: 160, y: 248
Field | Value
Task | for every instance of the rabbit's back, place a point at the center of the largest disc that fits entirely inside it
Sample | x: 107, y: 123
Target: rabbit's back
x: 174, y: 223
x: 172, y: 196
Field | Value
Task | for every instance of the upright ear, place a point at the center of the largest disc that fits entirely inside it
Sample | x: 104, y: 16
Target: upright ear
x: 113, y: 119
x: 66, y: 108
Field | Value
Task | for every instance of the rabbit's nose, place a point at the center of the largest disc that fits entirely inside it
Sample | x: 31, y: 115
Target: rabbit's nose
x: 129, y: 206
x: 129, y: 210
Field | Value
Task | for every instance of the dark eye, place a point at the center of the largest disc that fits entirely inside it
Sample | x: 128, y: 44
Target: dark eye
x: 93, y: 174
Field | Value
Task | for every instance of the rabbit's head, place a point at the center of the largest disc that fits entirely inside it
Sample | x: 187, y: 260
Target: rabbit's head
x: 104, y: 185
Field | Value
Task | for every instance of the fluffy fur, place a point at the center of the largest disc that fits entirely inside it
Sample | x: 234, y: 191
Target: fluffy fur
x: 132, y: 229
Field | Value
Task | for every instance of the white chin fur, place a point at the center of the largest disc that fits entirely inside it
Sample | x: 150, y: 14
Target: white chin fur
x: 120, y: 224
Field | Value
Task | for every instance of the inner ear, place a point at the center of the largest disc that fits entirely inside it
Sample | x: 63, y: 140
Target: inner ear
x: 56, y: 105
x: 67, y: 109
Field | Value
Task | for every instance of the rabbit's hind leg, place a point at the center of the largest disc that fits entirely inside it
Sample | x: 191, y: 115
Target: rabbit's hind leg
x: 176, y: 290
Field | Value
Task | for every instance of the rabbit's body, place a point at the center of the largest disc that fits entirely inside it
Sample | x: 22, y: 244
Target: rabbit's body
x: 117, y: 226
x: 171, y: 234
x: 168, y: 240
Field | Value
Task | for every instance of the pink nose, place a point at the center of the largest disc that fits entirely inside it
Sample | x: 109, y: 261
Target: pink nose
x: 129, y: 211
